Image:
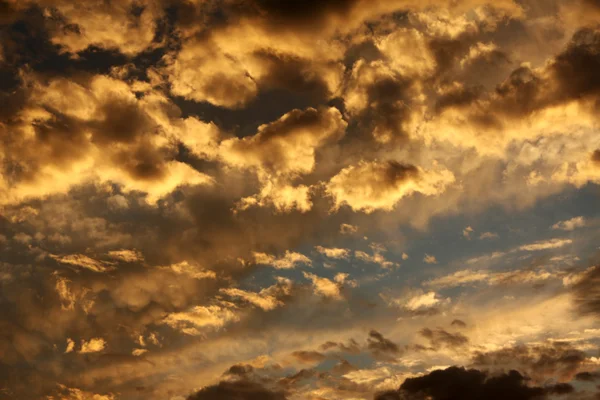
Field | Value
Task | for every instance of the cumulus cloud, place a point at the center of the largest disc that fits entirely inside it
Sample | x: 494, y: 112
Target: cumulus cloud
x: 570, y: 224
x: 92, y: 346
x: 369, y: 186
x: 333, y: 252
x: 324, y: 286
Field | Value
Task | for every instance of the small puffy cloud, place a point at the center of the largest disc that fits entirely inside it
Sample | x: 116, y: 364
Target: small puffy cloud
x: 570, y: 224
x: 324, y: 286
x: 138, y: 352
x: 347, y: 229
x: 425, y: 300
x: 289, y: 260
x: 467, y: 232
x: 70, y: 346
x: 333, y: 252
x: 93, y: 345
x: 417, y: 302
x: 342, y: 278
x: 375, y: 185
x: 429, y: 259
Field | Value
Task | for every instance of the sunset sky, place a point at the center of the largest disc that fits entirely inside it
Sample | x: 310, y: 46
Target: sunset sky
x: 299, y: 200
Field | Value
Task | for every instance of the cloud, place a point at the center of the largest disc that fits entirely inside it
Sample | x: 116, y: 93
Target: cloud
x: 429, y: 259
x: 488, y: 235
x: 570, y: 224
x: 194, y: 271
x: 200, y: 318
x: 288, y: 261
x: 83, y: 261
x: 559, y: 360
x: 324, y: 286
x: 92, y: 346
x: 467, y: 232
x: 585, y: 291
x: 287, y: 146
x: 380, y: 346
x: 426, y: 300
x: 241, y: 389
x: 468, y: 277
x: 308, y: 357
x: 126, y: 255
x: 375, y: 258
x: 347, y: 229
x: 370, y: 186
x: 470, y: 384
x: 442, y: 338
x: 546, y: 244
x: 336, y: 253
x: 267, y: 299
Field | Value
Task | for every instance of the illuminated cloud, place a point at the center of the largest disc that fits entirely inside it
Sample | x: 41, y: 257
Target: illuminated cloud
x: 430, y: 259
x: 199, y: 318
x: 289, y: 260
x: 570, y: 224
x: 166, y: 167
x: 93, y: 345
x: 546, y: 244
x: 83, y: 261
x: 370, y: 186
x: 333, y: 252
x: 324, y: 286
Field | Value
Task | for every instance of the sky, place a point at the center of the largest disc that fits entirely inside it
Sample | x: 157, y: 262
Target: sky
x: 299, y: 200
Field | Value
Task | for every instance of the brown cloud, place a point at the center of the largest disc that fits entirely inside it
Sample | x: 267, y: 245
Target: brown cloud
x: 243, y: 390
x: 558, y: 360
x: 381, y: 346
x: 472, y: 384
x: 441, y: 338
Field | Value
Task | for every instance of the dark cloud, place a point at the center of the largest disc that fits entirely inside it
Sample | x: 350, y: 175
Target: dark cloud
x: 576, y: 68
x: 587, y: 292
x: 381, y: 346
x: 442, y: 338
x: 587, y: 376
x: 308, y: 356
x: 286, y: 71
x: 542, y: 361
x: 304, y: 14
x: 459, y: 323
x: 457, y: 383
x: 237, y: 390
